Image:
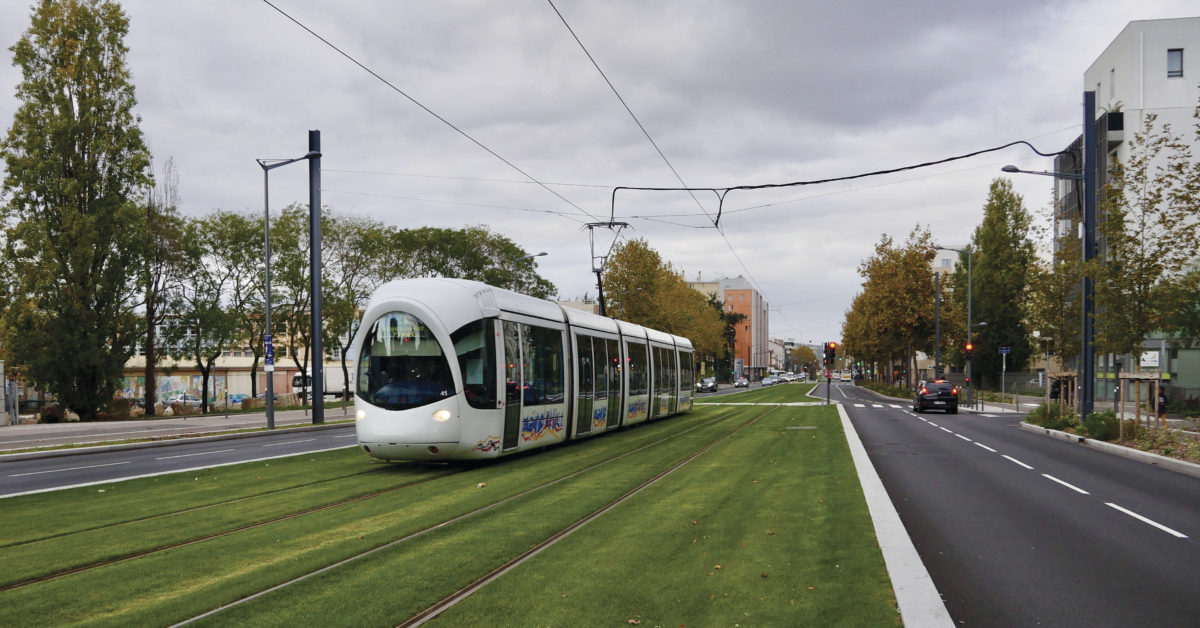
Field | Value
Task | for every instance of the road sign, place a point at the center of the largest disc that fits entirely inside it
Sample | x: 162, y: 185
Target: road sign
x: 1005, y: 350
x: 268, y: 353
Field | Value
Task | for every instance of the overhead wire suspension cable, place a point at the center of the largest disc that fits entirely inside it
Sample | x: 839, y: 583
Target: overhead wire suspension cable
x: 427, y: 109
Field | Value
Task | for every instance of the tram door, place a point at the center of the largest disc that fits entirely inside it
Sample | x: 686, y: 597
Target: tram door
x: 512, y: 385
x: 613, y: 363
x: 583, y: 418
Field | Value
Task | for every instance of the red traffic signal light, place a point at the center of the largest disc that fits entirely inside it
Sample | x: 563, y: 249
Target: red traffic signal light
x: 970, y: 348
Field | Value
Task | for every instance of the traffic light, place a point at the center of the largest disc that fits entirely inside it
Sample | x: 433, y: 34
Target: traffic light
x: 970, y: 348
x: 832, y: 353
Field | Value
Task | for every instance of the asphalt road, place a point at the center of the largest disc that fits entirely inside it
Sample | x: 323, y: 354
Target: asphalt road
x: 1018, y: 529
x: 96, y: 467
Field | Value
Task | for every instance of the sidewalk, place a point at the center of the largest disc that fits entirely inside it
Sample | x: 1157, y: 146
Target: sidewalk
x: 15, y: 437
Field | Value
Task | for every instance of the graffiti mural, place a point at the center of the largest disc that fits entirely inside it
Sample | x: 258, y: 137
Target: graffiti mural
x: 134, y: 386
x: 636, y: 411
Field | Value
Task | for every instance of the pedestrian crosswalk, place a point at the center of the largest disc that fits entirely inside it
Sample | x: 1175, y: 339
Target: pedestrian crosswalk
x: 878, y: 405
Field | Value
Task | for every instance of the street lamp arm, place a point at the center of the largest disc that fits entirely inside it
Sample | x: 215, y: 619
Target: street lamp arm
x: 1057, y: 175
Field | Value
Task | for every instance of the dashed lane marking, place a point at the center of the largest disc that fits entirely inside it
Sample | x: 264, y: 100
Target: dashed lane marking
x: 1066, y: 484
x: 201, y: 453
x: 1014, y: 460
x: 964, y: 438
x: 91, y: 466
x: 986, y: 447
x: 1149, y: 521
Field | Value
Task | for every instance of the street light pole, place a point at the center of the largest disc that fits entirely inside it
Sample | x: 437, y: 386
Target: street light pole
x: 267, y: 166
x: 517, y: 260
x: 1087, y: 366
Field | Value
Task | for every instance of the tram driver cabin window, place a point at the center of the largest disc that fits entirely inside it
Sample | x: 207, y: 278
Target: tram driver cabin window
x: 1175, y: 63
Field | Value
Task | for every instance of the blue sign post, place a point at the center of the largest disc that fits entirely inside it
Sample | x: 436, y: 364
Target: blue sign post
x: 268, y: 353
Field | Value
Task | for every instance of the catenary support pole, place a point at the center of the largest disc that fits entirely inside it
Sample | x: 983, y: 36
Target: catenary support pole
x: 314, y: 221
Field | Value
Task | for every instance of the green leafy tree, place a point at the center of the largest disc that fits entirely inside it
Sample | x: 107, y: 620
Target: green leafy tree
x: 1002, y: 271
x: 353, y: 247
x: 75, y: 159
x: 894, y: 317
x: 1148, y: 232
x: 470, y: 253
x: 163, y: 265
x: 205, y: 327
x: 642, y: 288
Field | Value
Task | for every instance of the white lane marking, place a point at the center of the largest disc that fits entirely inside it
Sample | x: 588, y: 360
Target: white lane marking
x: 990, y: 416
x: 895, y: 405
x: 860, y: 405
x: 945, y: 430
x: 346, y: 436
x: 877, y: 405
x: 964, y: 438
x: 986, y: 447
x: 933, y: 424
x: 923, y: 419
x: 1066, y: 484
x: 291, y: 442
x: 92, y: 466
x: 202, y: 453
x: 1149, y: 521
x: 1011, y: 459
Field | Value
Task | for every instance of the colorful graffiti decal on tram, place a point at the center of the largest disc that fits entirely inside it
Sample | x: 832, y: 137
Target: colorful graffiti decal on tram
x: 600, y: 417
x: 539, y: 425
x: 636, y: 411
x: 491, y: 443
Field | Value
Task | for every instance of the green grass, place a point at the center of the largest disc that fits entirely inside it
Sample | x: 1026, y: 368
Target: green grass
x: 780, y: 393
x: 773, y: 501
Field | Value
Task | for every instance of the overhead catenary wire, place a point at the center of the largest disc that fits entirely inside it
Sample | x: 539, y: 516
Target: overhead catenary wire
x: 627, y: 108
x: 721, y: 192
x: 431, y: 112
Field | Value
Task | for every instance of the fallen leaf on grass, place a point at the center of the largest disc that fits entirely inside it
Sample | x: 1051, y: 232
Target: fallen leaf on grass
x: 695, y: 523
x: 481, y: 485
x: 811, y: 587
x: 717, y: 567
x: 633, y: 621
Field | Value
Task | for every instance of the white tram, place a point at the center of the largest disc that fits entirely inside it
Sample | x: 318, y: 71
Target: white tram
x: 457, y: 369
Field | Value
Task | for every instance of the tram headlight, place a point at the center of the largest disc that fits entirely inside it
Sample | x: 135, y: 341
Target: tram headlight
x: 360, y: 415
x: 441, y: 416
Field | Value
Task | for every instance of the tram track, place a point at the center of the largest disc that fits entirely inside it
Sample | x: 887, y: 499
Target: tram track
x: 208, y: 537
x: 449, y: 601
x: 215, y: 613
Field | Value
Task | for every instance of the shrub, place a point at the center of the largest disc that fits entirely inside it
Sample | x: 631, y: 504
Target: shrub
x: 1051, y: 417
x: 1102, y: 425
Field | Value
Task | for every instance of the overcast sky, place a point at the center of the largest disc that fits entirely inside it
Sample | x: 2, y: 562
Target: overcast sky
x: 733, y: 93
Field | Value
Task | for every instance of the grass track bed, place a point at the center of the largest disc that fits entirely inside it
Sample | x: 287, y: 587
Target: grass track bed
x: 641, y: 554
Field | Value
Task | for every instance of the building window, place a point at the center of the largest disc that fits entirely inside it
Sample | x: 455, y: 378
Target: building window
x: 1175, y: 63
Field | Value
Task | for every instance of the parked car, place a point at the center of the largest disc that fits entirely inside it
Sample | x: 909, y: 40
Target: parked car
x: 186, y: 398
x: 741, y: 382
x: 707, y: 384
x: 769, y: 380
x: 939, y: 394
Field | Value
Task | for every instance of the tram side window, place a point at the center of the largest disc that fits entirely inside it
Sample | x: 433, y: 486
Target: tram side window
x: 638, y: 384
x: 475, y: 344
x: 686, y: 380
x: 544, y: 375
x: 600, y: 362
x: 614, y: 367
x: 586, y: 370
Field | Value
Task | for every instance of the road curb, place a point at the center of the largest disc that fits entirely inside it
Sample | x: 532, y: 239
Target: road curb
x: 917, y: 597
x: 163, y: 442
x: 1178, y: 466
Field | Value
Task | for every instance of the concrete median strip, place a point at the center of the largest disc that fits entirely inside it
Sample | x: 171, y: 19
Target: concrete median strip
x: 1179, y: 466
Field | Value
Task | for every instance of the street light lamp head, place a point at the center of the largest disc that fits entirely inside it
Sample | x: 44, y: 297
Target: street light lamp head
x: 1010, y: 168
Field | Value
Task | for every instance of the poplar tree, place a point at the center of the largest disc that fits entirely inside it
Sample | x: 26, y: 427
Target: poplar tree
x: 1002, y: 272
x: 75, y: 160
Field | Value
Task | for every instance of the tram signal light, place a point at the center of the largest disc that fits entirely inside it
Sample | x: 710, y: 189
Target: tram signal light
x: 832, y: 353
x: 970, y: 348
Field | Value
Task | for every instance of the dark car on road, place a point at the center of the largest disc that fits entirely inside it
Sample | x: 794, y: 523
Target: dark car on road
x: 937, y: 395
x: 707, y: 384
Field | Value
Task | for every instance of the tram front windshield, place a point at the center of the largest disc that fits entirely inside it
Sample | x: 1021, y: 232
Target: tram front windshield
x: 401, y: 365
